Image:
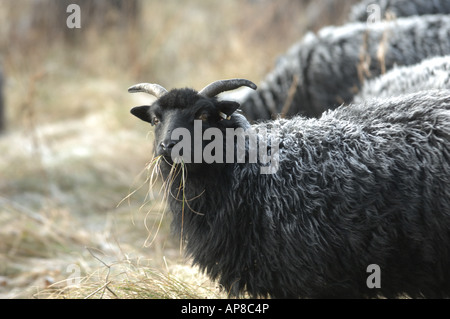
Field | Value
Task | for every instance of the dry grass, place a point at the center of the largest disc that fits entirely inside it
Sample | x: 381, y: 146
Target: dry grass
x: 72, y: 153
x: 135, y: 279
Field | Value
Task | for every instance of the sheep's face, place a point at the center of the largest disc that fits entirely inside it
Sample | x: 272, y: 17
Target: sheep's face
x: 180, y: 118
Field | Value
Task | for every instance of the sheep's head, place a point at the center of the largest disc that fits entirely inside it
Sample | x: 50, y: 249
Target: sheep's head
x: 186, y: 110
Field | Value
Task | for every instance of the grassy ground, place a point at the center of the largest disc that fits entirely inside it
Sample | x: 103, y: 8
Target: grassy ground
x: 72, y: 154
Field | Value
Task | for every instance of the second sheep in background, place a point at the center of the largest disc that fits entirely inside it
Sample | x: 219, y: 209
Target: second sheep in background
x: 326, y: 70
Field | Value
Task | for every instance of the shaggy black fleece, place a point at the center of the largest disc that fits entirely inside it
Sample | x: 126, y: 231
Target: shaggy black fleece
x: 364, y: 184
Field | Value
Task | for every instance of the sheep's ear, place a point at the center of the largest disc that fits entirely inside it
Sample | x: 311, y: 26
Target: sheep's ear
x: 226, y: 108
x: 142, y: 113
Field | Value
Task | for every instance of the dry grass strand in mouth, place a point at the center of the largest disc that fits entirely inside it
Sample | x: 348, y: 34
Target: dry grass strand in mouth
x: 150, y: 180
x: 174, y: 172
x: 166, y: 187
x: 177, y: 171
x: 154, y: 173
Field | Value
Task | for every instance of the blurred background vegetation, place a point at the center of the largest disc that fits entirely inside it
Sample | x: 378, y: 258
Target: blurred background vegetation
x: 71, y: 154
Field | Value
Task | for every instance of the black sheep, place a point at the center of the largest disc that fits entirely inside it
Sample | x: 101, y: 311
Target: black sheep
x: 364, y: 184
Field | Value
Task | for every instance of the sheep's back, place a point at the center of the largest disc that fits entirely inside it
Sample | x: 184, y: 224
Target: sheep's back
x: 363, y: 184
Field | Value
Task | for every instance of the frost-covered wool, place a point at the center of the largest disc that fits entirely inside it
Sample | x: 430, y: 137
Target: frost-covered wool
x: 430, y: 74
x: 326, y: 70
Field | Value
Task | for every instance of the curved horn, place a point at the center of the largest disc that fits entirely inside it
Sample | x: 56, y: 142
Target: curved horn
x: 153, y: 89
x: 220, y: 86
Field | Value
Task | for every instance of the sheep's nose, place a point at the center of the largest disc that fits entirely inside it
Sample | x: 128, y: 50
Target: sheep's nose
x: 167, y: 145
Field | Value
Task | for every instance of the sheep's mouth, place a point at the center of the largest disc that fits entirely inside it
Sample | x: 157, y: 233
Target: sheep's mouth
x: 169, y: 156
x: 170, y: 161
x: 165, y: 158
x: 172, y: 158
x: 174, y: 176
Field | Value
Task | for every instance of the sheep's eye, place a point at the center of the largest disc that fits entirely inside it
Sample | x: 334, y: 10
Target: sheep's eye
x: 203, y: 117
x: 155, y: 120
